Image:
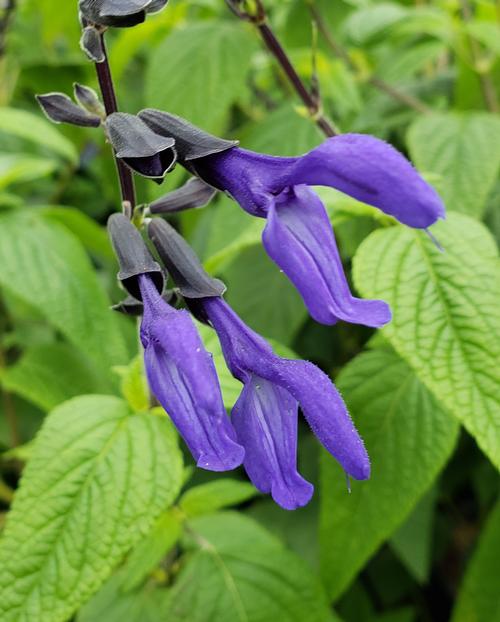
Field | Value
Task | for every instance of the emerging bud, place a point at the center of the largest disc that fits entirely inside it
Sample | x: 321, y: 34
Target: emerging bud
x: 133, y: 255
x: 59, y: 108
x: 91, y: 44
x: 191, y: 142
x: 142, y: 150
x: 182, y: 262
x: 88, y: 99
x: 194, y: 193
x: 122, y: 14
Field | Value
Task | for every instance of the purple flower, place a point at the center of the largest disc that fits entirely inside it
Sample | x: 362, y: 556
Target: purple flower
x: 265, y: 415
x: 298, y: 235
x: 182, y: 376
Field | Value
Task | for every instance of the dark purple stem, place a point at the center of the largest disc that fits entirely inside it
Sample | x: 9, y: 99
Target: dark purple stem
x: 110, y: 104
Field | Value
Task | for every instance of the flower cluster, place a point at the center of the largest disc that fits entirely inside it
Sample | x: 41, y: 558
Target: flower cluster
x: 261, y: 431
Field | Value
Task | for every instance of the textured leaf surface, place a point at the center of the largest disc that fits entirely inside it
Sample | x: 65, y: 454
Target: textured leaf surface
x: 50, y: 374
x: 200, y: 91
x: 45, y: 265
x: 213, y: 496
x: 97, y: 479
x: 240, y: 573
x: 479, y: 598
x: 464, y: 149
x: 409, y: 438
x: 446, y: 322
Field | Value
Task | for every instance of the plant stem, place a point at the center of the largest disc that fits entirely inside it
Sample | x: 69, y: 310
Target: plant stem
x: 378, y: 83
x: 110, y: 104
x: 487, y: 86
x: 260, y: 21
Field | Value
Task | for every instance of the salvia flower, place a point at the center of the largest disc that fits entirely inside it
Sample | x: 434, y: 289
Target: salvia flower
x: 298, y: 235
x: 182, y: 376
x: 266, y: 413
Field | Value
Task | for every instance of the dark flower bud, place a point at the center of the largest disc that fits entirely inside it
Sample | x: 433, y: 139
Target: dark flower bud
x: 59, y: 108
x: 91, y: 44
x: 118, y: 13
x: 194, y: 193
x: 190, y: 141
x: 88, y: 99
x: 142, y: 150
x: 133, y: 255
x: 182, y: 262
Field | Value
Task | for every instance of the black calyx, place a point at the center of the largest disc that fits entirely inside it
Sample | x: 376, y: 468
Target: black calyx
x: 59, y: 108
x: 182, y: 263
x: 194, y: 193
x: 131, y: 306
x: 119, y: 13
x: 145, y: 152
x: 91, y: 44
x: 133, y: 255
x: 191, y: 142
x: 88, y: 99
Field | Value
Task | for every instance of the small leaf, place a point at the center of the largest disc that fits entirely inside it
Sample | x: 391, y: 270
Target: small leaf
x: 216, y: 495
x: 97, y: 480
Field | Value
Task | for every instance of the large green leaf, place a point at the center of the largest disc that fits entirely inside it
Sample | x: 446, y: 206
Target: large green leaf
x: 240, y: 573
x: 97, y: 479
x: 479, y: 598
x: 199, y: 71
x: 37, y: 129
x: 49, y: 374
x: 464, y: 149
x: 409, y: 438
x: 45, y: 265
x: 446, y: 322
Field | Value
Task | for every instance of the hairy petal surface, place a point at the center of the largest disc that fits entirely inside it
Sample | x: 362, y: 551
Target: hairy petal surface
x: 265, y: 420
x: 182, y: 376
x: 299, y: 238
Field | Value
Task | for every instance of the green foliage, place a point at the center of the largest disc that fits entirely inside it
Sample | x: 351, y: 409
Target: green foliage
x: 209, y: 498
x: 99, y: 472
x: 445, y: 321
x: 410, y: 439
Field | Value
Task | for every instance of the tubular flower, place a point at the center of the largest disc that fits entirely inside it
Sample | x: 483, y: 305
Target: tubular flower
x: 298, y: 235
x: 182, y: 376
x: 265, y: 415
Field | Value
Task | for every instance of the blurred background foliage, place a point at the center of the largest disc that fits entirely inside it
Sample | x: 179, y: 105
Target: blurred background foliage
x: 421, y: 540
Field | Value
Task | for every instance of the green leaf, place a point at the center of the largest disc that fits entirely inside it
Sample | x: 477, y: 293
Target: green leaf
x: 134, y: 385
x: 202, y: 92
x: 409, y: 438
x: 240, y: 573
x: 45, y: 266
x: 479, y: 598
x: 445, y: 315
x: 216, y: 495
x: 49, y: 374
x: 486, y: 33
x: 464, y: 149
x: 412, y: 542
x: 98, y: 478
x: 18, y: 168
x: 372, y: 21
x: 35, y: 128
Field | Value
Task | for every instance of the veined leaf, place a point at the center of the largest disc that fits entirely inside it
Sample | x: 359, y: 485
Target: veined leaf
x: 241, y: 573
x: 446, y: 322
x: 46, y: 267
x: 98, y: 478
x: 409, y: 438
x: 479, y: 598
x: 465, y: 150
x: 216, y: 495
x: 199, y: 71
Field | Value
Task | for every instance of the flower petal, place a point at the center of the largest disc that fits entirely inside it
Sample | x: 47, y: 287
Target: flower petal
x: 182, y: 376
x: 371, y: 171
x: 299, y: 238
x: 326, y: 413
x: 265, y: 420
